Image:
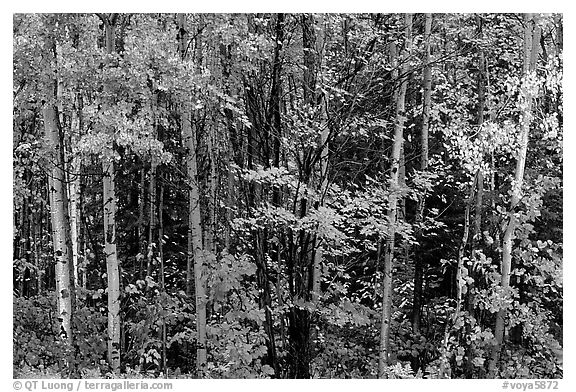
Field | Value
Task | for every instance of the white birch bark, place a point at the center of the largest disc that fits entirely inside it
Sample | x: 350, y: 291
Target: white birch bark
x: 59, y: 222
x: 196, y: 256
x: 112, y: 267
x: 384, y: 350
x: 531, y: 47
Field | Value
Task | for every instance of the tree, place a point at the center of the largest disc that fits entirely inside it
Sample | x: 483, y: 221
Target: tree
x: 394, y: 189
x: 196, y: 254
x: 427, y: 84
x: 109, y: 200
x: 58, y: 197
x: 531, y: 49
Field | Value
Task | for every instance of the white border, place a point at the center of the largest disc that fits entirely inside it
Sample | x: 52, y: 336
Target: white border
x: 291, y: 6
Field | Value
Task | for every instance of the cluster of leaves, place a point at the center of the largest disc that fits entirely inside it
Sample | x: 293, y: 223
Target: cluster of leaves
x: 39, y: 345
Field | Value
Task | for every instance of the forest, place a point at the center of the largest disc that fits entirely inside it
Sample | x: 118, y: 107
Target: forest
x: 287, y: 195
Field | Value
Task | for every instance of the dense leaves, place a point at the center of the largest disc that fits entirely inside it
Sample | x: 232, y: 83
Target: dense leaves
x: 293, y: 118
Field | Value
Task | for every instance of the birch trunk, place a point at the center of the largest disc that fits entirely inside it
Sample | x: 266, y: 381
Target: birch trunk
x: 480, y: 119
x: 109, y: 200
x: 210, y: 234
x: 384, y: 350
x: 477, y: 234
x: 531, y: 46
x: 70, y: 190
x: 74, y: 196
x: 151, y: 217
x: 195, y: 250
x: 141, y: 234
x: 225, y: 59
x: 195, y: 234
x: 113, y: 275
x: 319, y: 254
x: 75, y: 189
x: 163, y: 333
x: 462, y: 248
x: 152, y: 201
x: 60, y: 228
x: 418, y: 260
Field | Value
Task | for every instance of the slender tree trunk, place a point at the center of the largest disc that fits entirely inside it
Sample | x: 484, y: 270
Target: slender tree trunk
x: 558, y: 21
x: 301, y: 261
x: 319, y: 254
x: 384, y: 350
x: 480, y: 120
x: 196, y: 256
x: 141, y: 235
x: 69, y: 180
x: 152, y: 201
x: 401, y: 211
x: 195, y: 234
x: 83, y: 232
x: 162, y: 273
x: 210, y: 235
x: 213, y: 154
x: 477, y: 233
x: 462, y: 249
x: 37, y: 246
x: 65, y: 152
x: 113, y: 273
x: 75, y: 189
x: 20, y: 249
x: 186, y: 122
x: 58, y: 200
x: 225, y: 58
x: 109, y: 200
x: 73, y: 184
x: 419, y: 259
x: 60, y: 223
x: 531, y: 47
x: 151, y: 218
x: 154, y: 213
x: 277, y: 192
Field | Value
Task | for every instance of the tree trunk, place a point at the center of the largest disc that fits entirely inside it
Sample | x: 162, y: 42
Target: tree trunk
x: 232, y: 148
x: 418, y: 259
x: 559, y: 22
x: 393, y: 198
x: 152, y: 200
x: 462, y: 249
x: 531, y: 46
x: 196, y: 254
x: 301, y: 260
x: 195, y: 234
x: 112, y: 267
x: 480, y: 120
x: 36, y: 250
x: 60, y: 223
x: 210, y: 232
x: 161, y: 272
x: 323, y: 186
x: 73, y: 185
x: 151, y: 218
x: 83, y: 231
x: 141, y: 234
x: 113, y: 273
x: 477, y: 233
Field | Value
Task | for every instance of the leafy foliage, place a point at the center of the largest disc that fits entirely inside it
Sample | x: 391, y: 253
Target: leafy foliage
x: 293, y: 120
